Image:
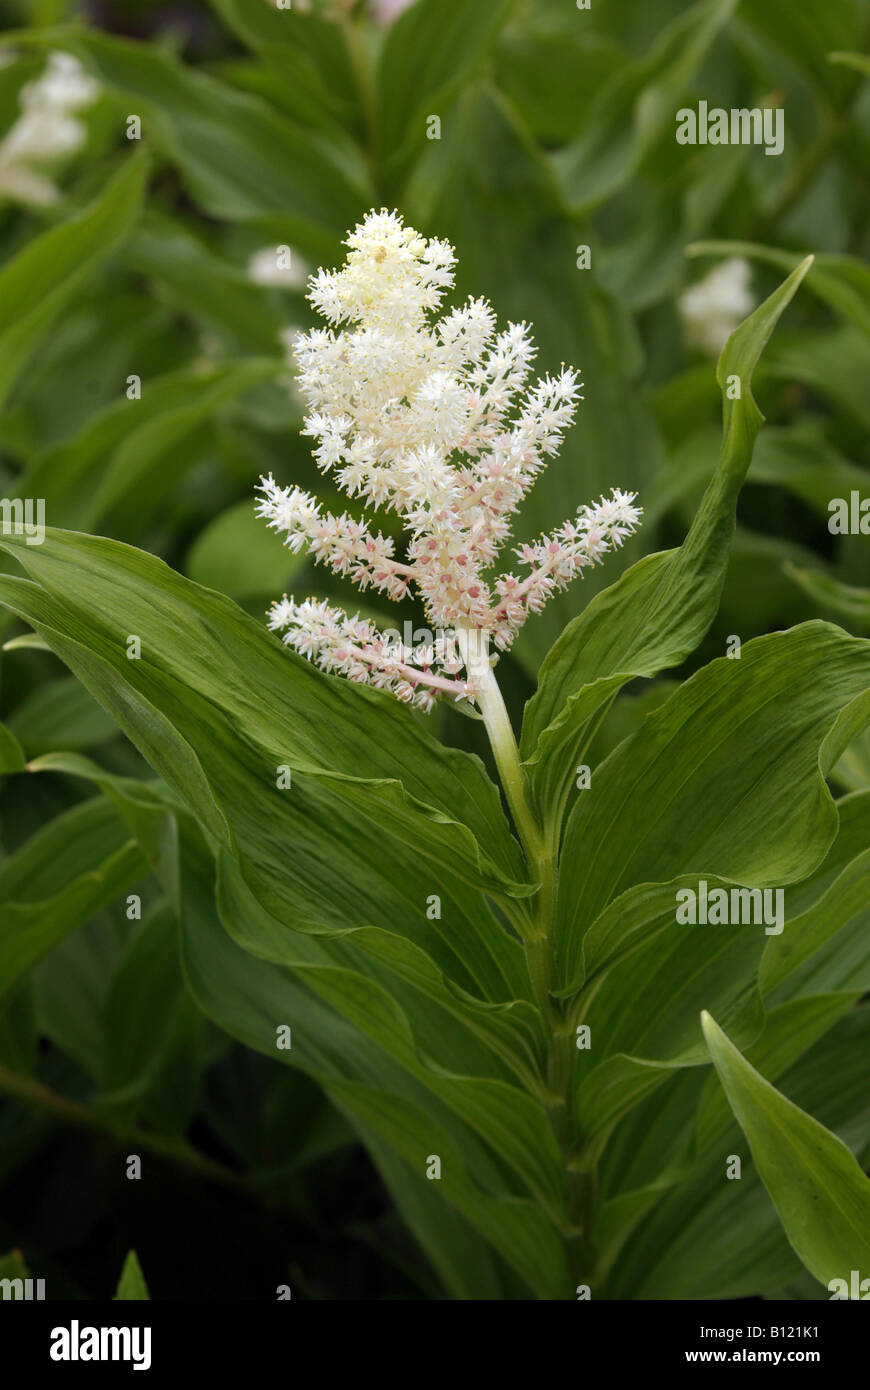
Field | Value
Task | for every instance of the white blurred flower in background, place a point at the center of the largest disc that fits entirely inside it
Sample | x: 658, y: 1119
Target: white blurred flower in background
x: 712, y: 308
x: 386, y: 12
x: 279, y: 266
x: 46, y: 131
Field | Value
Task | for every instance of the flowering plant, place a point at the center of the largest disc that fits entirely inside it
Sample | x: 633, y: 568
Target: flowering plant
x: 566, y: 997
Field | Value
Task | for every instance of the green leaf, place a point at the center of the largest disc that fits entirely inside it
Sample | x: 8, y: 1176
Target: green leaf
x: 659, y: 610
x: 12, y: 1266
x: 510, y: 1031
x: 247, y: 997
x: 428, y: 53
x: 12, y: 757
x: 842, y: 282
x: 848, y: 897
x: 60, y: 714
x: 71, y: 985
x: 636, y: 106
x: 798, y: 458
x: 118, y: 470
x: 38, y: 913
x: 353, y: 750
x: 304, y: 55
x: 41, y: 280
x: 139, y: 1046
x: 743, y: 744
x: 131, y: 1285
x: 820, y: 1192
x: 236, y: 554
x: 859, y: 61
x: 239, y: 158
x: 208, y: 288
x: 843, y: 599
x: 789, y: 1031
x: 711, y: 1238
x: 808, y: 35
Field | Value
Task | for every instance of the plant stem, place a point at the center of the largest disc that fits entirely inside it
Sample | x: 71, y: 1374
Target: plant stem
x: 72, y: 1112
x: 541, y: 854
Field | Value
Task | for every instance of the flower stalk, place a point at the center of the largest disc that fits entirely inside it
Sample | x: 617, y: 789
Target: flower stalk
x: 542, y: 858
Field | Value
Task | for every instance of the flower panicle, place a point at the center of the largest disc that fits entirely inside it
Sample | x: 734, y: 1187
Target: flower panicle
x: 353, y: 647
x: 435, y: 420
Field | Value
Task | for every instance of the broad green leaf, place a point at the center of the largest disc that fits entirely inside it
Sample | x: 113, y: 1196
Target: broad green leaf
x: 466, y: 1265
x: 633, y: 109
x: 513, y: 1227
x: 713, y: 1238
x: 552, y: 76
x: 798, y: 458
x: 37, y: 284
x: 147, y: 809
x: 659, y: 610
x: 74, y: 841
x: 353, y: 750
x: 131, y: 1285
x: 19, y: 1030
x: 71, y: 985
x: 60, y: 714
x: 236, y: 554
x: 247, y: 997
x: 820, y: 1192
x: 138, y: 442
x: 208, y: 287
x: 153, y: 458
x: 808, y: 33
x: 833, y: 363
x: 33, y: 924
x: 138, y: 1044
x: 428, y: 52
x: 501, y: 1114
x: 789, y: 1031
x: 811, y: 932
x: 742, y: 743
x: 510, y: 1031
x: 239, y: 158
x: 468, y: 944
x: 307, y: 55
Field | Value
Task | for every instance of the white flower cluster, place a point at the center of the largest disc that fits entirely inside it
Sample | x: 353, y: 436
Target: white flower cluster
x: 433, y: 420
x: 46, y: 130
x: 712, y: 308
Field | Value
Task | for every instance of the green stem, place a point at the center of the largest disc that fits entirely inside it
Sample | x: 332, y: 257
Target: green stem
x: 541, y: 854
x: 71, y: 1112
